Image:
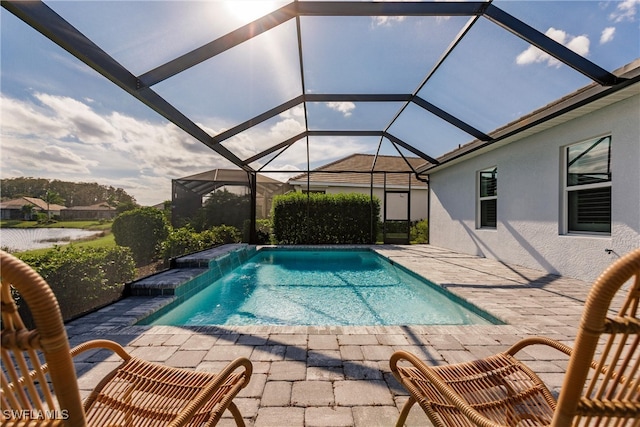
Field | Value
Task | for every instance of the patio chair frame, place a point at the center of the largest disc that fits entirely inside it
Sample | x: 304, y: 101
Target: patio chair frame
x: 501, y: 390
x: 39, y: 385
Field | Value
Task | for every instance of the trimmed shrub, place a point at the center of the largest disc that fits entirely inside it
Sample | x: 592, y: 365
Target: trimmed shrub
x: 180, y: 241
x: 420, y: 232
x: 325, y: 218
x: 396, y: 226
x: 185, y: 240
x: 220, y: 235
x: 84, y: 279
x: 142, y: 230
x: 263, y: 231
x: 42, y: 218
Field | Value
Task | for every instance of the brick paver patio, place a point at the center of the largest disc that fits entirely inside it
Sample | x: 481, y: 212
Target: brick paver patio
x: 339, y: 376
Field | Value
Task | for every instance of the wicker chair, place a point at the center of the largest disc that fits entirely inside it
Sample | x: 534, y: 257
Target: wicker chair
x: 500, y: 390
x: 39, y: 384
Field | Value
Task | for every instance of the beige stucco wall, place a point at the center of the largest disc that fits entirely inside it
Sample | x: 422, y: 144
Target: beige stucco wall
x: 529, y: 205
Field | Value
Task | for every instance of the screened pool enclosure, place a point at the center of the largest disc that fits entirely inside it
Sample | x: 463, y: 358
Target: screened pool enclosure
x: 307, y: 82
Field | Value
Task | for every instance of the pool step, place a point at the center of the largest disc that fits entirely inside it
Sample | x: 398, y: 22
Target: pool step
x: 202, y: 259
x: 193, y: 272
x: 164, y: 283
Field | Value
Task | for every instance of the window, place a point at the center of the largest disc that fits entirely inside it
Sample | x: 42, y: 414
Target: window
x: 487, y: 198
x: 588, y: 186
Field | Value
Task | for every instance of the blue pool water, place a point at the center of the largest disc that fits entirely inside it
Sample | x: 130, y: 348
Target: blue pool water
x: 293, y: 287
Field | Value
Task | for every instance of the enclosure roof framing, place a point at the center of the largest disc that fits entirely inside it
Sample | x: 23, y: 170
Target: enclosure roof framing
x: 584, y: 100
x: 142, y: 86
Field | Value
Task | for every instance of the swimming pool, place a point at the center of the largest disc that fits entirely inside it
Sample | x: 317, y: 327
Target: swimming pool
x: 321, y: 287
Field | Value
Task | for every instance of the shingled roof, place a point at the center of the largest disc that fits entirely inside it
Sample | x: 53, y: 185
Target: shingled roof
x: 356, y: 170
x: 34, y: 201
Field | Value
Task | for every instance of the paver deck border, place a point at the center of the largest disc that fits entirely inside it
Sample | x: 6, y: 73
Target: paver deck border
x: 297, y: 362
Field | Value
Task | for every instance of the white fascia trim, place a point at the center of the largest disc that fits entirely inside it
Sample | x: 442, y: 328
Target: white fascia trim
x: 319, y: 184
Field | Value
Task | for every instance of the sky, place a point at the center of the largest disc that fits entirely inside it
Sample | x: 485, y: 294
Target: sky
x: 59, y: 119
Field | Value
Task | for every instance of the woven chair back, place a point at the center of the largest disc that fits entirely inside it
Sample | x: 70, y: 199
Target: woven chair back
x: 608, y: 395
x: 38, y: 379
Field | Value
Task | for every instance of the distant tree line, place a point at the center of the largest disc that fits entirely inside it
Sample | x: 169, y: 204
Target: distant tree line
x: 72, y: 193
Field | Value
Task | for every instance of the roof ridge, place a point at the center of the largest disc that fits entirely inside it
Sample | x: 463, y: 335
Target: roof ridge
x: 319, y: 168
x: 343, y: 159
x: 335, y: 162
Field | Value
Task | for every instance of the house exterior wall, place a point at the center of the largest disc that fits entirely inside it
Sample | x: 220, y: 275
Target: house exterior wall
x: 418, y: 199
x: 529, y: 204
x: 11, y: 213
x: 77, y: 214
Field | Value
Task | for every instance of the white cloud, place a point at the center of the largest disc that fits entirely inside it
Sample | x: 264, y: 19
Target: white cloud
x: 286, y: 128
x: 61, y: 138
x: 387, y: 20
x: 321, y: 149
x: 295, y: 112
x: 58, y: 137
x: 607, y: 35
x: 21, y: 118
x: 578, y: 44
x: 65, y: 158
x: 345, y: 108
x: 78, y: 118
x: 287, y: 171
x: 42, y: 158
x: 265, y: 135
x: 626, y: 10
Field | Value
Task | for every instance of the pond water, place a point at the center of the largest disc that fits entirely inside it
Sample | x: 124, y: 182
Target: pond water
x: 24, y: 239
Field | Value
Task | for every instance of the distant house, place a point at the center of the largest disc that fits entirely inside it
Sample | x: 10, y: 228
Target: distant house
x: 97, y: 211
x: 358, y: 174
x: 13, y: 209
x: 189, y: 193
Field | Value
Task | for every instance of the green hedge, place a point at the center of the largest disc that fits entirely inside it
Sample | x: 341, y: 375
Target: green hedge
x: 263, y: 231
x: 420, y: 232
x: 185, y: 240
x: 142, y: 230
x: 83, y: 279
x: 325, y: 218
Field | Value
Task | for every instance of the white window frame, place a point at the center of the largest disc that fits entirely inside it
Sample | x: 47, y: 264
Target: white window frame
x: 566, y: 189
x: 480, y: 198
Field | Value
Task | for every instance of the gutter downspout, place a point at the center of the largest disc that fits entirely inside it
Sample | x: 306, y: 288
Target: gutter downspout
x: 426, y: 181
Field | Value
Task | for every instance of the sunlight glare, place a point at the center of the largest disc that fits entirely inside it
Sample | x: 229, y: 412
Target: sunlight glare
x: 249, y: 10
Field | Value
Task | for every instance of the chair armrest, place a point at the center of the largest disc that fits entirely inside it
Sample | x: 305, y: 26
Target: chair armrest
x: 550, y: 343
x: 525, y: 342
x: 89, y: 345
x: 439, y: 384
x: 105, y: 344
x: 208, y: 392
x: 214, y: 384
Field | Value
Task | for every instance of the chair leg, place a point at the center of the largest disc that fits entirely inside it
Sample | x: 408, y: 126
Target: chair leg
x: 405, y: 411
x: 237, y: 416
